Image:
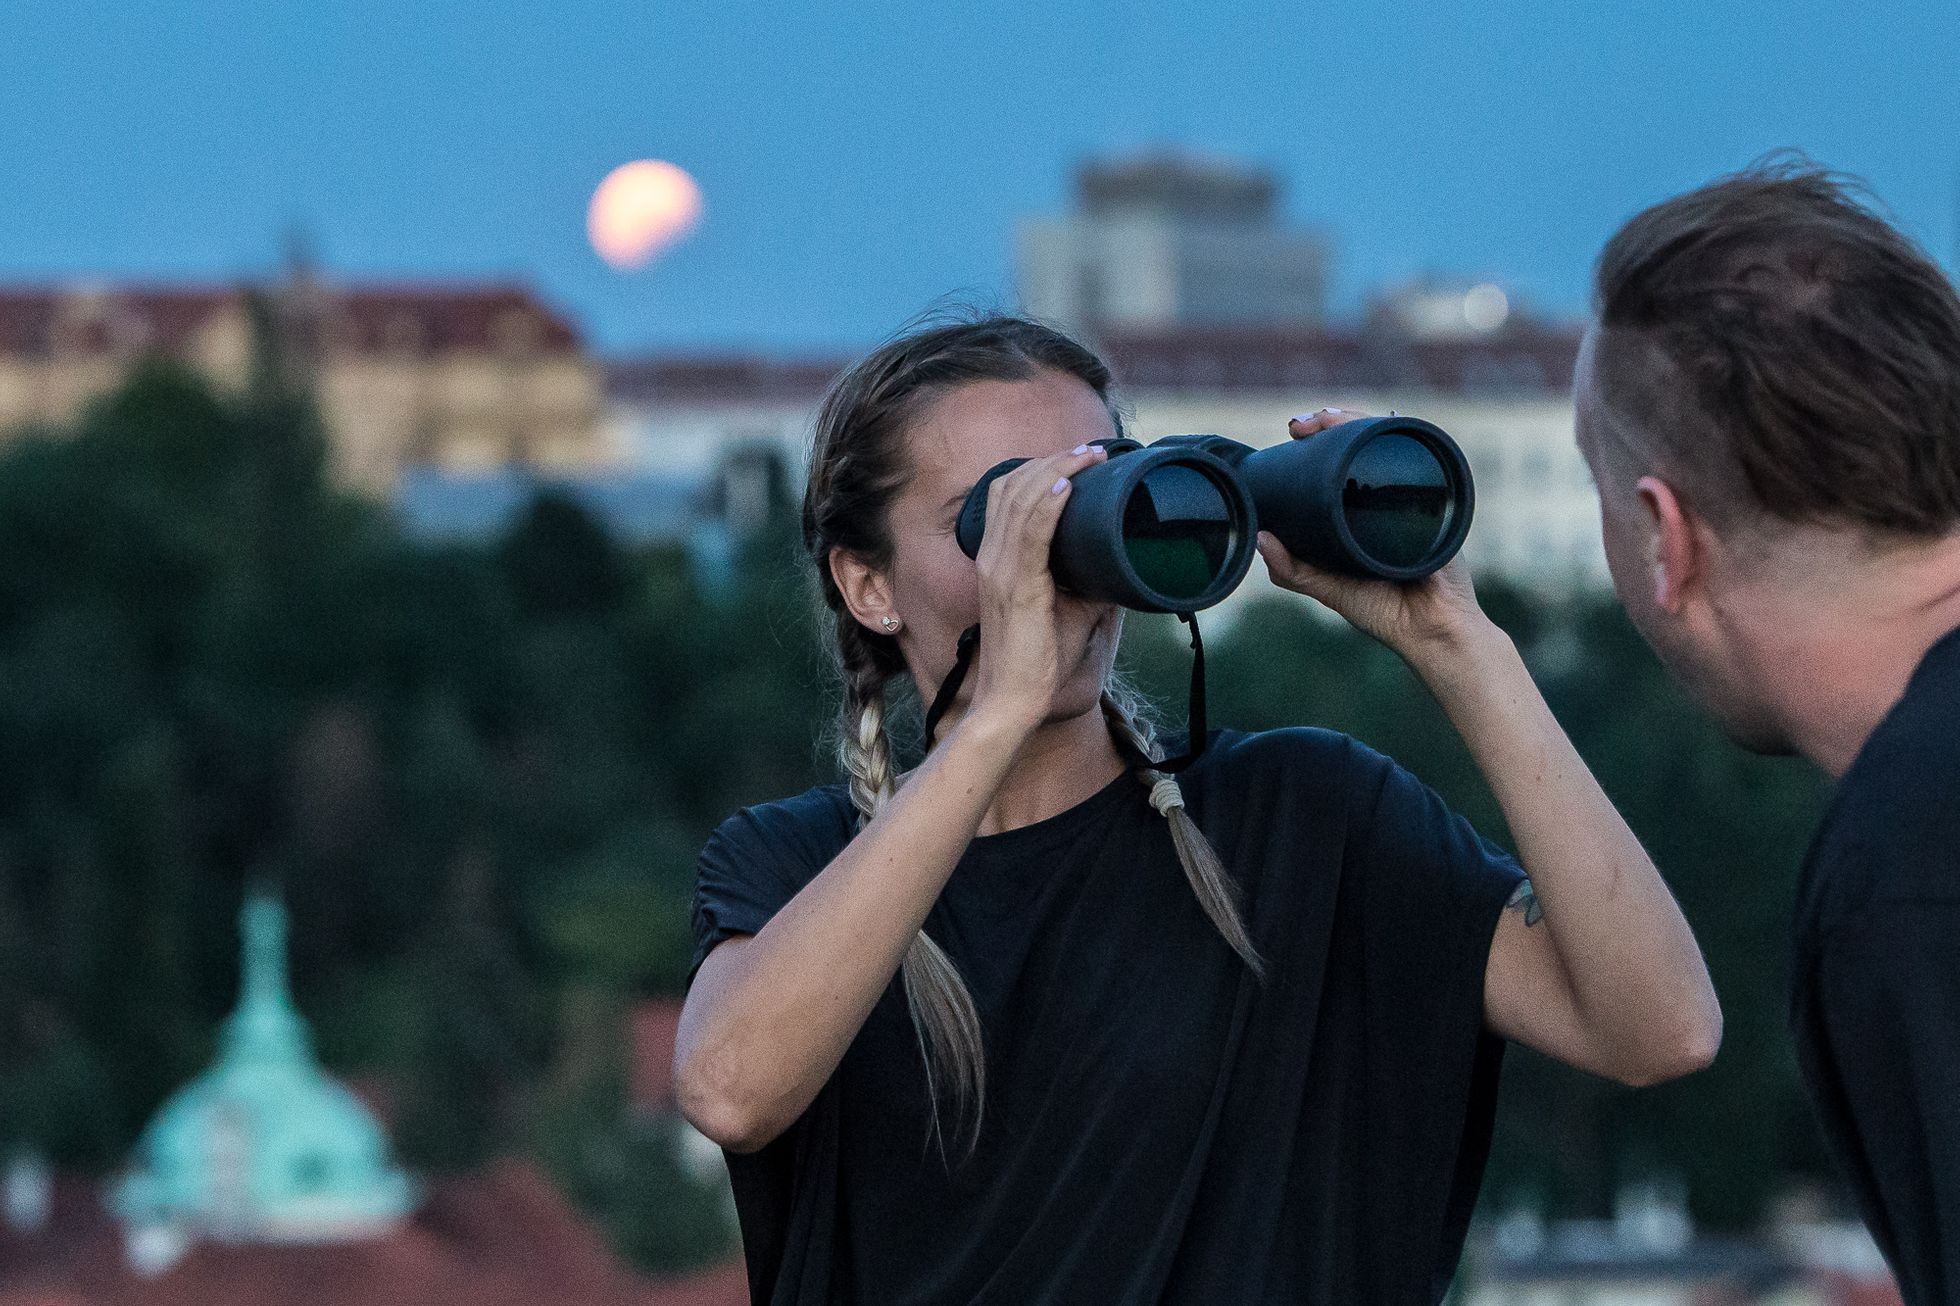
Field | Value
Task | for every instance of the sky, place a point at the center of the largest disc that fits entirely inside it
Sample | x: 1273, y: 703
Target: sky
x: 860, y: 161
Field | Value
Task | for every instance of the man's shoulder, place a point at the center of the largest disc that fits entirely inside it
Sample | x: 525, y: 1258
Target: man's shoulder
x: 1893, y: 828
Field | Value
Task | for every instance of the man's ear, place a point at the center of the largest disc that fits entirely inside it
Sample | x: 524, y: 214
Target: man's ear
x: 866, y: 592
x: 1676, y: 557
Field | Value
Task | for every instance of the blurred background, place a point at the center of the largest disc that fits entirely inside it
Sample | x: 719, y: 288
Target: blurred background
x: 403, y: 413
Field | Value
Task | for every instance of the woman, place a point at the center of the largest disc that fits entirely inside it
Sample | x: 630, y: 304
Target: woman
x: 1036, y: 1023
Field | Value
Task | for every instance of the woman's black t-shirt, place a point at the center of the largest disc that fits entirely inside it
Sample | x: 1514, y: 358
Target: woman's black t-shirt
x: 1160, y: 1127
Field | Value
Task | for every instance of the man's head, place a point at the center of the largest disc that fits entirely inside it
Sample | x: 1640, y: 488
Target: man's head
x: 1769, y: 395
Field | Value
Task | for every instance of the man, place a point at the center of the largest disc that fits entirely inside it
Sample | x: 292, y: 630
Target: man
x: 1769, y: 401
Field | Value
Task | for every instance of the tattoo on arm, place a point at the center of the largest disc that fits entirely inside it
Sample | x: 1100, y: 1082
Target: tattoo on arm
x: 1525, y: 899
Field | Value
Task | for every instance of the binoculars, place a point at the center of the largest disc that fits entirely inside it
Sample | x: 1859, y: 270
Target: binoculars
x: 1170, y: 527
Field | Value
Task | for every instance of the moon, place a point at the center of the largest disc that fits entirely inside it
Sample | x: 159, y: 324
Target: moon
x: 640, y: 209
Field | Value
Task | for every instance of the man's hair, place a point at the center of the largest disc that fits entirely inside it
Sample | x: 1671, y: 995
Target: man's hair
x: 1775, y: 347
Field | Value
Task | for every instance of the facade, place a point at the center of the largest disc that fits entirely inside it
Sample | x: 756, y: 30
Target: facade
x: 1504, y: 395
x: 460, y: 377
x: 1169, y: 240
x: 1650, y: 1254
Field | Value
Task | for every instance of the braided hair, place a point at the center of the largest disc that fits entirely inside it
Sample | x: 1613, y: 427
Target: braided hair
x: 858, y: 465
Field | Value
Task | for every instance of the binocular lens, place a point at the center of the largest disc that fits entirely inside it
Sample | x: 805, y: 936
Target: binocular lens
x: 1398, y: 499
x: 1169, y: 528
x: 1177, y: 530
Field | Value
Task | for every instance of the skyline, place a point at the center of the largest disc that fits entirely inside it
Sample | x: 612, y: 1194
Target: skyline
x: 853, y: 173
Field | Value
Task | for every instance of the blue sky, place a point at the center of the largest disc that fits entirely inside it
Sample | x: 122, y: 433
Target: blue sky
x: 860, y: 159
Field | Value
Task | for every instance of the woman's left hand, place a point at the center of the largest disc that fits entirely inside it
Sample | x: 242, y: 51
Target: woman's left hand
x: 1415, y: 618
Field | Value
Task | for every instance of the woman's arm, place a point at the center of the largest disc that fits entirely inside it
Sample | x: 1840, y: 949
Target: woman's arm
x: 769, y: 1016
x: 1594, y: 964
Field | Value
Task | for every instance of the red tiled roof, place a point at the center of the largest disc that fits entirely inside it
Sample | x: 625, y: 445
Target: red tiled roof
x: 695, y: 378
x: 162, y: 319
x: 1842, y: 1289
x: 501, y: 1236
x: 369, y: 318
x: 1529, y: 360
x: 450, y: 317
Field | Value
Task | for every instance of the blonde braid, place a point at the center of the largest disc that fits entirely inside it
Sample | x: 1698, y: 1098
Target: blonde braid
x: 1218, y: 892
x: 943, y: 1013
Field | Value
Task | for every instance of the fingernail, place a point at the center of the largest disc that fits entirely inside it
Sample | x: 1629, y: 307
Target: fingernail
x: 1304, y: 418
x: 1330, y: 410
x: 1058, y: 486
x: 1080, y: 448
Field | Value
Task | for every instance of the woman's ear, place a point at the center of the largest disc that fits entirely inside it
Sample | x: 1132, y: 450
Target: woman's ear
x: 1676, y: 558
x: 866, y: 592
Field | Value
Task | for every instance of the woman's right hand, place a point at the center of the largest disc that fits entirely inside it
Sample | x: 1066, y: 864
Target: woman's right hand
x: 1019, y: 661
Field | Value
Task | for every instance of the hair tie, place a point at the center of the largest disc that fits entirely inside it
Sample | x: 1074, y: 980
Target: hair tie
x: 1165, y: 795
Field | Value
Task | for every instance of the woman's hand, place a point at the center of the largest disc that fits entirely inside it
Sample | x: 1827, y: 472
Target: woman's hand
x: 1418, y: 619
x: 1019, y: 666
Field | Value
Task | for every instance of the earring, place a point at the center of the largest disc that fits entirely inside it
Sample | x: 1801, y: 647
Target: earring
x: 890, y: 624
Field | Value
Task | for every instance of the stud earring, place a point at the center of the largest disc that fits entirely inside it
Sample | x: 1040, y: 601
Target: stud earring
x: 890, y: 624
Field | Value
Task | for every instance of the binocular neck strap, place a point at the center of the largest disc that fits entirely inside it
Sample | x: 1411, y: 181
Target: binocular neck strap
x: 1195, y: 742
x: 969, y: 640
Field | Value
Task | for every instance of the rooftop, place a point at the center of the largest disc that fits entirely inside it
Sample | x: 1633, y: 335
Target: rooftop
x: 499, y: 1236
x: 85, y: 318
x: 1525, y: 359
x: 1178, y: 183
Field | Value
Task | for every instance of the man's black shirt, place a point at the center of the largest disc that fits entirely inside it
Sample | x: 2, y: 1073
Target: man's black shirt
x: 1160, y: 1127
x: 1875, y: 998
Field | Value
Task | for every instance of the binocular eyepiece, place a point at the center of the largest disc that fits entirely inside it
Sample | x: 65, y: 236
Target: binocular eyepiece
x: 1170, y: 527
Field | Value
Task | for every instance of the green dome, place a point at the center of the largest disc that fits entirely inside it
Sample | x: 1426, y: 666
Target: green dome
x: 264, y: 1147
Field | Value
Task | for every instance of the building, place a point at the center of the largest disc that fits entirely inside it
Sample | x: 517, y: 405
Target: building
x: 1440, y: 308
x: 1650, y: 1254
x: 1504, y: 394
x: 263, y: 1147
x: 463, y: 377
x: 1172, y: 240
x: 708, y: 445
x: 264, y: 1180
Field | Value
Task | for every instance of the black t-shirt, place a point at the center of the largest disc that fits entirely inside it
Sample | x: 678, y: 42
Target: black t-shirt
x: 1159, y: 1126
x: 1875, y: 995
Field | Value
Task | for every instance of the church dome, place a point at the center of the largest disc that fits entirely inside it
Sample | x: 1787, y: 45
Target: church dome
x: 264, y: 1146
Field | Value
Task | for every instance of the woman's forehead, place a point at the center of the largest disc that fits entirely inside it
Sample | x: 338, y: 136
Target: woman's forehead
x: 968, y: 430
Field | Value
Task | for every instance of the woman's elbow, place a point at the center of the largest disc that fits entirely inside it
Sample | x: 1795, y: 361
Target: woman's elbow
x: 1691, y: 1047
x: 713, y: 1101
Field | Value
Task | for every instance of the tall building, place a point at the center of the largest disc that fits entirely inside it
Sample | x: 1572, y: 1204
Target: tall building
x: 1172, y: 240
x: 462, y: 377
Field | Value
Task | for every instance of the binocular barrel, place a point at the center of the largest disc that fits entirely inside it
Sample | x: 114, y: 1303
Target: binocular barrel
x: 1170, y: 527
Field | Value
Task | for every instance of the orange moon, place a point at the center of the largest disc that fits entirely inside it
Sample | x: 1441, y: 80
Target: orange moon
x: 640, y: 209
